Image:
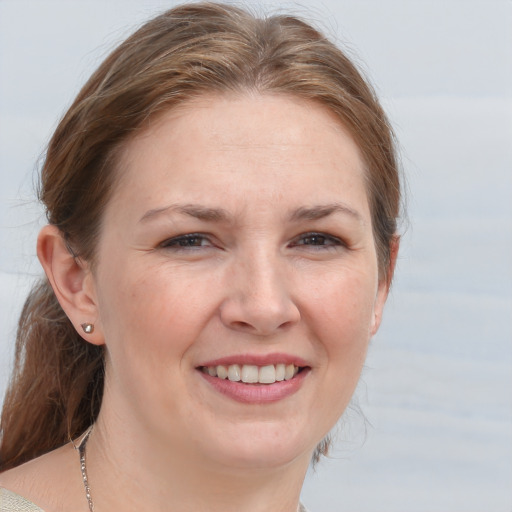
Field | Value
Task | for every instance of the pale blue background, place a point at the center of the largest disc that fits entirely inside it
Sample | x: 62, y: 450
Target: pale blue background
x: 437, y: 389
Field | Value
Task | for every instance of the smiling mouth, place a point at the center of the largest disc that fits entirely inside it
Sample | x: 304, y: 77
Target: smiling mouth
x: 252, y: 374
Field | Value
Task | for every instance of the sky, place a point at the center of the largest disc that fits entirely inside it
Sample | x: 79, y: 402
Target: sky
x: 435, y: 428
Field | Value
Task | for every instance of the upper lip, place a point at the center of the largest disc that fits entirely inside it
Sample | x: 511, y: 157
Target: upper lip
x: 256, y: 360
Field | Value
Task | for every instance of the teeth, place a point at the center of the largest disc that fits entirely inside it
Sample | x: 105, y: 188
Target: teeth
x: 252, y: 374
x: 234, y: 373
x: 267, y: 374
x: 289, y: 372
x: 249, y: 374
x: 222, y: 372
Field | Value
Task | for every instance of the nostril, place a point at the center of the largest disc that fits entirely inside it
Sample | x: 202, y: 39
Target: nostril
x: 285, y: 325
x: 262, y: 329
x: 241, y: 325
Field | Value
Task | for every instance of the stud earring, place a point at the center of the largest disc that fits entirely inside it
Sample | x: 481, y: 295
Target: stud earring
x: 88, y: 328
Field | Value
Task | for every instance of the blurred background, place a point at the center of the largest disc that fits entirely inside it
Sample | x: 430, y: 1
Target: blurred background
x: 433, y: 432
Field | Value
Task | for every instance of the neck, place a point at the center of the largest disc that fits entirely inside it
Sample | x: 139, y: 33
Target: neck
x: 130, y: 470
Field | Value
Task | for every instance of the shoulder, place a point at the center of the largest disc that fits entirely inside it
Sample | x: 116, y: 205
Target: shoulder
x: 12, y: 502
x: 52, y: 481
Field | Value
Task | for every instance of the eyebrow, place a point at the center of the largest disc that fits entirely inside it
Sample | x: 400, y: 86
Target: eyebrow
x: 221, y: 215
x: 193, y: 210
x: 322, y: 211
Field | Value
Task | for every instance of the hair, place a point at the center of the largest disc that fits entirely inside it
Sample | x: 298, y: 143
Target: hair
x: 205, y: 48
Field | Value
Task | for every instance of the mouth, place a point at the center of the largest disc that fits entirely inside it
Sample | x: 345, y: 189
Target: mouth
x: 256, y: 378
x: 253, y: 379
x: 253, y: 374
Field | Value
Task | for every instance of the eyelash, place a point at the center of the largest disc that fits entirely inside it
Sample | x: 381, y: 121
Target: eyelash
x: 186, y: 242
x: 329, y: 241
x: 180, y: 242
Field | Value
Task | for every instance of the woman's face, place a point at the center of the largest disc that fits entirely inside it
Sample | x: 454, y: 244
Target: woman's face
x: 238, y: 242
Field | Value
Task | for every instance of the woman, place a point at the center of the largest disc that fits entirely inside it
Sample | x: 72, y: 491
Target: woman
x: 222, y: 200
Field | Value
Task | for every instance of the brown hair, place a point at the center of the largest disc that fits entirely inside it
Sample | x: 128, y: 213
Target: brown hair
x: 57, y: 384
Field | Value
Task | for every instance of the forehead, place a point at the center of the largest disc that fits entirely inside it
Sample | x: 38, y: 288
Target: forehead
x: 269, y: 147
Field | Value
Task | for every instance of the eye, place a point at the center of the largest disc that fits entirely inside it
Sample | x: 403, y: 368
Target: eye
x: 317, y: 241
x: 189, y: 241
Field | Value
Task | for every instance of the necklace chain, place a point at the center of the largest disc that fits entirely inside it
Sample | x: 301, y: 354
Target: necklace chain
x: 81, y: 452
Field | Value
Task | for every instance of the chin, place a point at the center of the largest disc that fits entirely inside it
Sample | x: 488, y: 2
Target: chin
x: 265, y: 459
x: 262, y: 448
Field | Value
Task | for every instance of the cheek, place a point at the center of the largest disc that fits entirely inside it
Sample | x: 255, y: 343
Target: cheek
x: 158, y: 310
x: 147, y: 334
x: 341, y: 323
x: 341, y: 307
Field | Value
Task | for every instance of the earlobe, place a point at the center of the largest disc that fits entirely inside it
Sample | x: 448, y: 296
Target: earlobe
x: 384, y: 286
x: 72, y: 282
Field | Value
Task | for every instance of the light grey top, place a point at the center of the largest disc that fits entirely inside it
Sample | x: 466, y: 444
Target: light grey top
x: 12, y: 502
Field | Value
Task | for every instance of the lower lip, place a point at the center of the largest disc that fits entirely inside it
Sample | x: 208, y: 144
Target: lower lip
x: 257, y: 393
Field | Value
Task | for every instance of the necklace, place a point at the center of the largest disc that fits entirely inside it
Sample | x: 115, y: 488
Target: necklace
x: 81, y: 452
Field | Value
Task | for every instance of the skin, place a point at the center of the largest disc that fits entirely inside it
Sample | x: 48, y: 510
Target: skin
x: 273, y: 268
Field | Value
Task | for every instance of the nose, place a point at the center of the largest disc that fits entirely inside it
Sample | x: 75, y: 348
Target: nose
x: 258, y: 298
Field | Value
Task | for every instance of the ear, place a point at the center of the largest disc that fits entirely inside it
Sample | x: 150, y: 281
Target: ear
x: 72, y: 282
x: 384, y: 286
